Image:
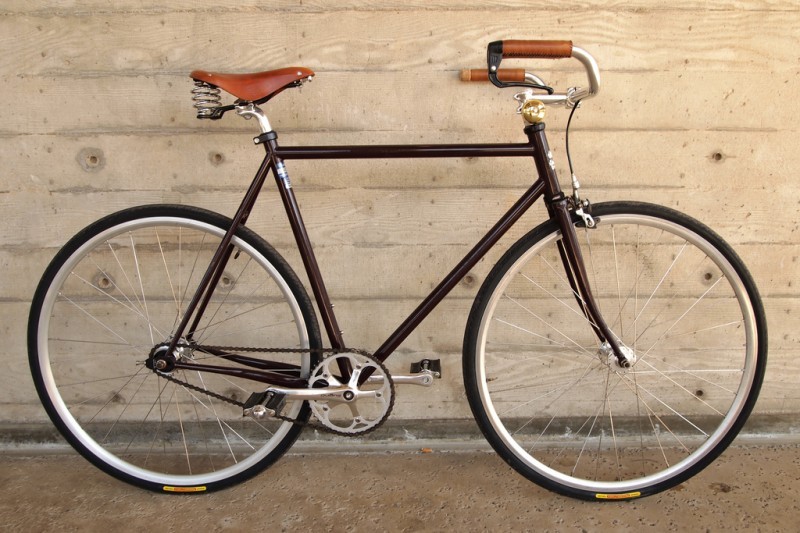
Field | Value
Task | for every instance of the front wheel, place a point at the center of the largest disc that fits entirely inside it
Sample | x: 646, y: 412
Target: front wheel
x: 553, y: 401
x: 114, y: 294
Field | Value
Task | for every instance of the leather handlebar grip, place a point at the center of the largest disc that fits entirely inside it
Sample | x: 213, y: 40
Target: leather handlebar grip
x: 504, y: 74
x: 537, y: 49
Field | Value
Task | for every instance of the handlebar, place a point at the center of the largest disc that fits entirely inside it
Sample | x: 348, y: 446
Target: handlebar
x: 503, y: 74
x: 536, y: 49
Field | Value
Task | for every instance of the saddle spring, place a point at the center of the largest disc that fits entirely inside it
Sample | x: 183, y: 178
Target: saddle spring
x: 206, y: 98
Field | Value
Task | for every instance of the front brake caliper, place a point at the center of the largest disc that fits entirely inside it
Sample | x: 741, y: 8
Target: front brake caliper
x: 584, y: 210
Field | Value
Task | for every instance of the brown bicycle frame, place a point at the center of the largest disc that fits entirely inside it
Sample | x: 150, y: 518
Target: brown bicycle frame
x: 546, y: 185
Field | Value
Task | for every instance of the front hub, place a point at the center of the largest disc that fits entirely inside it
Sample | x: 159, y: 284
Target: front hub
x: 607, y: 356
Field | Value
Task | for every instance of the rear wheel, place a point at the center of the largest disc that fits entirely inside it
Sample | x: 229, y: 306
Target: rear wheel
x: 114, y: 294
x: 553, y: 401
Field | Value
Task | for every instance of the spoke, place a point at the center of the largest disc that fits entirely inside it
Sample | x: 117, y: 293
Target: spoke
x: 694, y: 304
x: 562, y: 302
x: 228, y: 293
x: 84, y: 341
x: 515, y: 388
x: 157, y: 401
x: 672, y: 298
x: 613, y: 437
x: 585, y: 440
x: 113, y: 281
x: 557, y: 411
x: 180, y: 278
x: 205, y: 437
x: 661, y: 282
x: 102, y: 324
x: 166, y: 269
x: 561, y: 389
x: 660, y: 420
x: 105, y: 356
x: 584, y: 309
x: 693, y: 372
x: 183, y: 434
x: 601, y: 409
x: 114, y: 396
x: 668, y: 407
x: 634, y: 291
x: 239, y: 332
x: 102, y: 380
x: 141, y: 286
x: 188, y: 280
x: 560, y: 276
x: 639, y: 422
x: 703, y: 330
x: 135, y: 311
x: 127, y: 278
x: 684, y: 389
x: 216, y: 416
x: 550, y: 342
x: 226, y: 424
x: 619, y: 288
x: 649, y: 325
x: 97, y: 396
x: 207, y: 326
x: 551, y: 326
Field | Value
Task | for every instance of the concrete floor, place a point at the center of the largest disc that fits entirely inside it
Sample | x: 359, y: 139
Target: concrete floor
x: 751, y: 488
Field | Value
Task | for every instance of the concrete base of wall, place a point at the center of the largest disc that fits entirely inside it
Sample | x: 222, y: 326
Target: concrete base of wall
x: 394, y: 435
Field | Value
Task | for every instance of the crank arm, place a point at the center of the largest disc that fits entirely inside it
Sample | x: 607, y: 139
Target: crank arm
x: 276, y: 397
x: 423, y: 380
x: 328, y: 393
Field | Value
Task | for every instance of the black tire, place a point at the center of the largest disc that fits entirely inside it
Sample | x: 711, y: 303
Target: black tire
x: 115, y: 292
x: 553, y: 402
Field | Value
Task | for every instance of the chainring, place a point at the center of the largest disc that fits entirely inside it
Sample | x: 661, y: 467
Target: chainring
x: 362, y: 407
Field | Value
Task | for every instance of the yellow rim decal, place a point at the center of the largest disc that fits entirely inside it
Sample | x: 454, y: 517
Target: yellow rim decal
x: 625, y: 496
x: 184, y: 489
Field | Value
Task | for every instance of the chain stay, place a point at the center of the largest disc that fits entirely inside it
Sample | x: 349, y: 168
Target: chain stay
x: 320, y: 351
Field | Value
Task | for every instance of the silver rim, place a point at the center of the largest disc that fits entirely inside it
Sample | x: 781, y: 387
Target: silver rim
x: 118, y: 296
x: 565, y: 410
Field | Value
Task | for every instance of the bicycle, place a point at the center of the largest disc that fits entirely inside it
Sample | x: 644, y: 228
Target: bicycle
x: 614, y: 351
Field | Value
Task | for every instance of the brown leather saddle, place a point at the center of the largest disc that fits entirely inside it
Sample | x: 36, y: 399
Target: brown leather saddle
x: 258, y: 87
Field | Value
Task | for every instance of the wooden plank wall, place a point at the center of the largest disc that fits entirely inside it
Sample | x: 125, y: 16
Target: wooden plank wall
x: 698, y: 111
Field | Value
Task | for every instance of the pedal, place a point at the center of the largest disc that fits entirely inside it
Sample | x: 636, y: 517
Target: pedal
x: 428, y: 366
x: 263, y: 404
x: 422, y: 373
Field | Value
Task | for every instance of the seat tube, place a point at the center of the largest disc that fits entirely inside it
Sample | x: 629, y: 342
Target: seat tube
x: 558, y: 208
x: 270, y: 142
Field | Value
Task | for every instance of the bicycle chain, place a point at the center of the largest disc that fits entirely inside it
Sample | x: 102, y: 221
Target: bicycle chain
x: 229, y: 349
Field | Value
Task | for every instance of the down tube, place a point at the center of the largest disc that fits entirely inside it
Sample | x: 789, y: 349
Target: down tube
x: 452, y: 279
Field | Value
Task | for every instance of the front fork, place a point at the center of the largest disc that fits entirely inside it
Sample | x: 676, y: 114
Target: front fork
x: 558, y: 207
